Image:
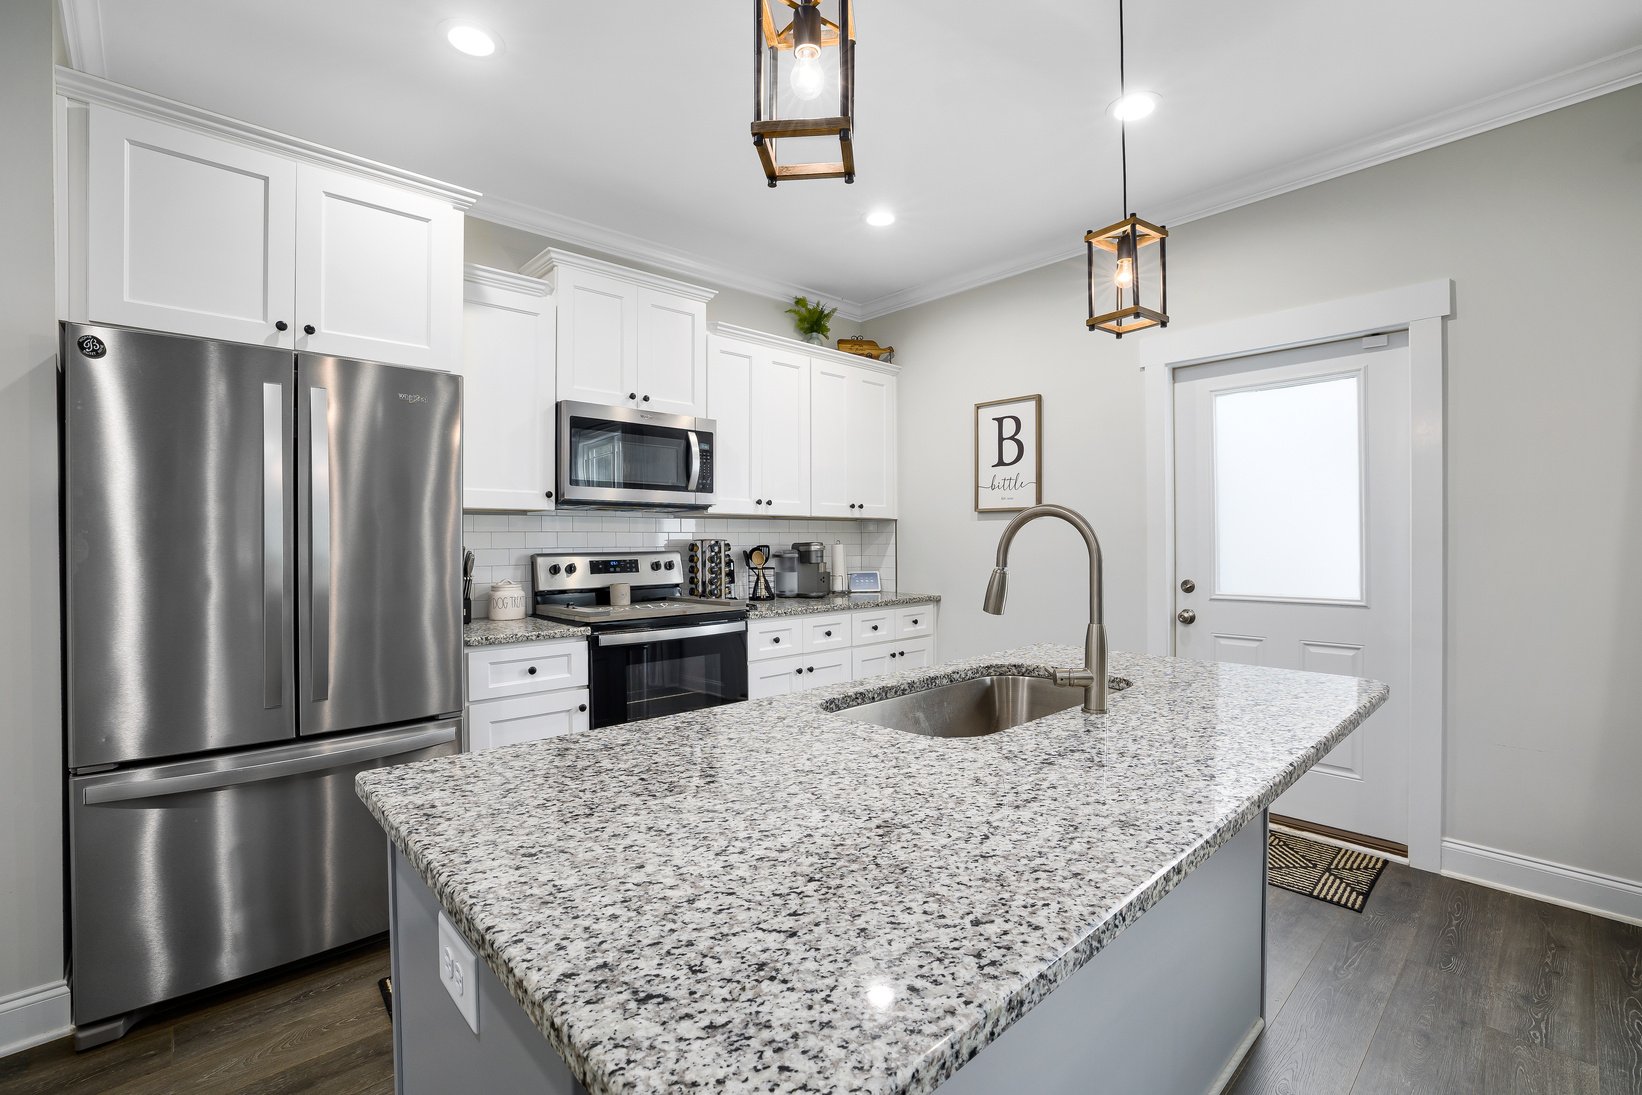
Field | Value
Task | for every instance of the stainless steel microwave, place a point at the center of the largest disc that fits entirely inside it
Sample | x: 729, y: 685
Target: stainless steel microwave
x: 612, y: 457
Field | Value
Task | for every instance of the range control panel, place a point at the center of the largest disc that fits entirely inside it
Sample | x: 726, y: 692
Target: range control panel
x: 576, y: 571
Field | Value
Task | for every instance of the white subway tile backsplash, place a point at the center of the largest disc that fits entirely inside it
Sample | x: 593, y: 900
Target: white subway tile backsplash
x: 503, y: 543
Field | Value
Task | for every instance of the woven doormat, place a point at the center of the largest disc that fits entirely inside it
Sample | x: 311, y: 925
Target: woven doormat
x: 1329, y: 873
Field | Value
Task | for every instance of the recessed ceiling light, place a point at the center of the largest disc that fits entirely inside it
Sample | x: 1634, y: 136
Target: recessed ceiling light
x: 1133, y: 106
x: 880, y: 218
x: 470, y: 39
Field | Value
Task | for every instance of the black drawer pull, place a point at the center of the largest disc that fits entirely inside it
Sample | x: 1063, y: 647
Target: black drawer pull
x: 531, y: 671
x: 581, y: 707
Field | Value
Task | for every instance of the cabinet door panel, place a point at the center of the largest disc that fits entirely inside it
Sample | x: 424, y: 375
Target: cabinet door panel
x: 188, y: 233
x: 775, y: 677
x: 527, y: 718
x: 519, y: 668
x: 836, y: 667
x: 598, y: 338
x: 871, y: 428
x: 829, y: 440
x: 379, y: 271
x: 781, y: 433
x: 870, y: 661
x: 507, y: 399
x: 672, y: 350
x: 730, y: 404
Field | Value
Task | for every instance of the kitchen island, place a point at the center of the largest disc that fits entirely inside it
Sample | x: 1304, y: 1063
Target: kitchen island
x: 770, y: 896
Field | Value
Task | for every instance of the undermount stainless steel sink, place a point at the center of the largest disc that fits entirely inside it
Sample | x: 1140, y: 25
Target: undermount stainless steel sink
x: 973, y: 708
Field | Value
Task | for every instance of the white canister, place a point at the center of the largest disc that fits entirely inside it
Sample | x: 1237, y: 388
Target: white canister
x: 621, y: 594
x: 507, y: 601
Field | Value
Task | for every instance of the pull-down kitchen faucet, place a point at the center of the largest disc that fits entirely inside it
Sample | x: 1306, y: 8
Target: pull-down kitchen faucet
x: 1092, y: 677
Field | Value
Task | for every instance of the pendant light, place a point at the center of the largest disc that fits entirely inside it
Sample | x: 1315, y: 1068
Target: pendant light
x: 793, y: 68
x: 1128, y: 262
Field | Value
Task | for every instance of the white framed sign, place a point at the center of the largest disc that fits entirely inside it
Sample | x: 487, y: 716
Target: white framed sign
x: 1008, y: 454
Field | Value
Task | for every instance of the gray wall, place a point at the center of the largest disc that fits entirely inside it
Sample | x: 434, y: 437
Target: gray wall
x: 31, y: 777
x: 1540, y: 226
x: 506, y: 248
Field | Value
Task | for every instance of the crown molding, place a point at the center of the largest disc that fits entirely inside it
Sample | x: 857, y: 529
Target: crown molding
x: 474, y: 274
x: 624, y: 245
x: 546, y: 264
x: 94, y: 89
x: 1607, y: 74
x: 83, y: 35
x: 800, y: 347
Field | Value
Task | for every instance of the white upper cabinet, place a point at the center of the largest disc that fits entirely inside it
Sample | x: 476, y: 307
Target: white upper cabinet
x: 852, y: 443
x: 176, y: 219
x: 627, y: 338
x: 188, y: 233
x: 379, y: 271
x: 760, y: 399
x: 507, y: 392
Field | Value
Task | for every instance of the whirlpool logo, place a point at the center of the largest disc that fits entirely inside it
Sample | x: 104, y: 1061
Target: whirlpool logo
x: 413, y: 397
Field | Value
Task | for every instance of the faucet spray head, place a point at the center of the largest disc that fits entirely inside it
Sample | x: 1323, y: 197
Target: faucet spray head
x: 997, y: 589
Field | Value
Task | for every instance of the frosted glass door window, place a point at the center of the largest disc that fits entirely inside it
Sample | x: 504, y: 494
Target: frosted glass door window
x: 1288, y: 495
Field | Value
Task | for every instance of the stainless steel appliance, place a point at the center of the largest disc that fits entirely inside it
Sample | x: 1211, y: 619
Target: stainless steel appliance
x: 625, y: 457
x: 811, y: 564
x: 709, y: 567
x: 661, y: 654
x: 262, y: 572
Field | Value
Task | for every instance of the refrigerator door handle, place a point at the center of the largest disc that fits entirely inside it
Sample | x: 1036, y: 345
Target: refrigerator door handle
x: 316, y: 761
x: 273, y: 545
x: 319, y: 543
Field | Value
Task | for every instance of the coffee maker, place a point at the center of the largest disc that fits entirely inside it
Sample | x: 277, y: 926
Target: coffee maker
x: 811, y: 579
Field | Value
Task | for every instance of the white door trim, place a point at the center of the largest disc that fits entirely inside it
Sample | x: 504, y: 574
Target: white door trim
x: 1420, y: 310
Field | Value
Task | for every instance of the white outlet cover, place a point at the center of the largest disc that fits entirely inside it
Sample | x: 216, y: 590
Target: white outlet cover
x: 459, y: 972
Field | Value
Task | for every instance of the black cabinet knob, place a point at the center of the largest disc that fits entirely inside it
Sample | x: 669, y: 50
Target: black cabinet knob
x: 280, y: 325
x: 550, y: 494
x: 581, y: 707
x: 799, y: 671
x: 776, y: 640
x: 829, y: 634
x: 531, y: 671
x: 875, y: 627
x: 307, y: 328
x: 647, y: 399
x: 914, y: 623
x: 758, y: 501
x: 632, y: 395
x: 810, y: 669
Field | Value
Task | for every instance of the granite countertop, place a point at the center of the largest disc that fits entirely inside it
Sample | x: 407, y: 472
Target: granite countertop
x: 834, y: 602
x: 767, y: 896
x: 531, y: 629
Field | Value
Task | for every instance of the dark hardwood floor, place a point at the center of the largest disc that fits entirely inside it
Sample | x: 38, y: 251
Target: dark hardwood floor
x: 1437, y: 986
x: 1444, y: 987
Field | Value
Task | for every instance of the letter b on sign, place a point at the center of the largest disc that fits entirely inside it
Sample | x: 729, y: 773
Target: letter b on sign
x: 1009, y: 432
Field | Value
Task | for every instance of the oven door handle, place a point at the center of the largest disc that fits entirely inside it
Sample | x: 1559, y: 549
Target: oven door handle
x: 695, y: 460
x: 637, y: 638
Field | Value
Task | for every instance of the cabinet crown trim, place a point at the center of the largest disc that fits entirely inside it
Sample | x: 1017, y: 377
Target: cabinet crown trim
x: 796, y: 346
x: 93, y: 89
x: 474, y: 274
x: 547, y: 263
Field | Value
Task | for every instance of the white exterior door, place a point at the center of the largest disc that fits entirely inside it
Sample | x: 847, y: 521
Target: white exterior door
x: 781, y: 433
x: 507, y: 394
x: 1292, y: 523
x: 672, y: 354
x: 830, y: 440
x: 379, y: 272
x: 188, y: 233
x: 598, y: 339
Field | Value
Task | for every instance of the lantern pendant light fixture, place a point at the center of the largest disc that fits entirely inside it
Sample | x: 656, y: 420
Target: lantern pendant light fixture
x: 1128, y: 261
x: 794, y: 66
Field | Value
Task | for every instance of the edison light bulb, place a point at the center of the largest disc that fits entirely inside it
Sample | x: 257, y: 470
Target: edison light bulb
x: 1124, y: 276
x: 807, y: 77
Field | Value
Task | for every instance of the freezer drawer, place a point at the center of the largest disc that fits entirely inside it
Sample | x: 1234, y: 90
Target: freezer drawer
x: 190, y: 874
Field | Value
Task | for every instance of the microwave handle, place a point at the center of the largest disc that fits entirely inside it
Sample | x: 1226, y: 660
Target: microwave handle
x: 695, y: 460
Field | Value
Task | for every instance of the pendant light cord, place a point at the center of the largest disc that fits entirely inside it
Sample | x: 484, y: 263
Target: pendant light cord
x: 1123, y: 124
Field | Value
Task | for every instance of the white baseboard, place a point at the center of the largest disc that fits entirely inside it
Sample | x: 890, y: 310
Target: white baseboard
x: 1604, y: 895
x: 34, y: 1016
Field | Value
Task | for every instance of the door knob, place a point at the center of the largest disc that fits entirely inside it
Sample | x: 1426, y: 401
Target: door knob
x: 1186, y: 616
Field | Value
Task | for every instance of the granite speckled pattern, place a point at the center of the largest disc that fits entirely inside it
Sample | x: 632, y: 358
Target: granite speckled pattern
x: 835, y: 602
x: 531, y: 629
x: 770, y: 897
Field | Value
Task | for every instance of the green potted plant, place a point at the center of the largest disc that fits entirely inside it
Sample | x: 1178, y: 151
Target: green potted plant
x: 813, y: 321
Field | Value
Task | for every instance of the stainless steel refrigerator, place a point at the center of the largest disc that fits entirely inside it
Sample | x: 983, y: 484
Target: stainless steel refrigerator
x: 262, y: 599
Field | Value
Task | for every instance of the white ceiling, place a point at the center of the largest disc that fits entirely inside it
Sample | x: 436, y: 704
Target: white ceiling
x: 622, y: 126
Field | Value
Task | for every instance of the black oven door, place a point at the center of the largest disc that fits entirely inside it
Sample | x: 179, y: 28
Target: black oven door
x: 645, y: 673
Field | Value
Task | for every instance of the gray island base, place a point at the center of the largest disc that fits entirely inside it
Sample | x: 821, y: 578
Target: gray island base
x: 772, y: 897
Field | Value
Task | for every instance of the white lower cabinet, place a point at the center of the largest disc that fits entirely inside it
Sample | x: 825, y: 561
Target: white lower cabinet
x: 793, y: 653
x: 526, y: 692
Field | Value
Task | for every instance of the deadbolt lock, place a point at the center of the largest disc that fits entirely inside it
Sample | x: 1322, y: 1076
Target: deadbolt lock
x: 1187, y: 585
x: 1186, y: 616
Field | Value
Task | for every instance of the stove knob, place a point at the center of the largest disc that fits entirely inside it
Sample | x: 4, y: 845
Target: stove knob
x: 554, y: 569
x: 570, y: 568
x: 670, y: 564
x: 655, y: 564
